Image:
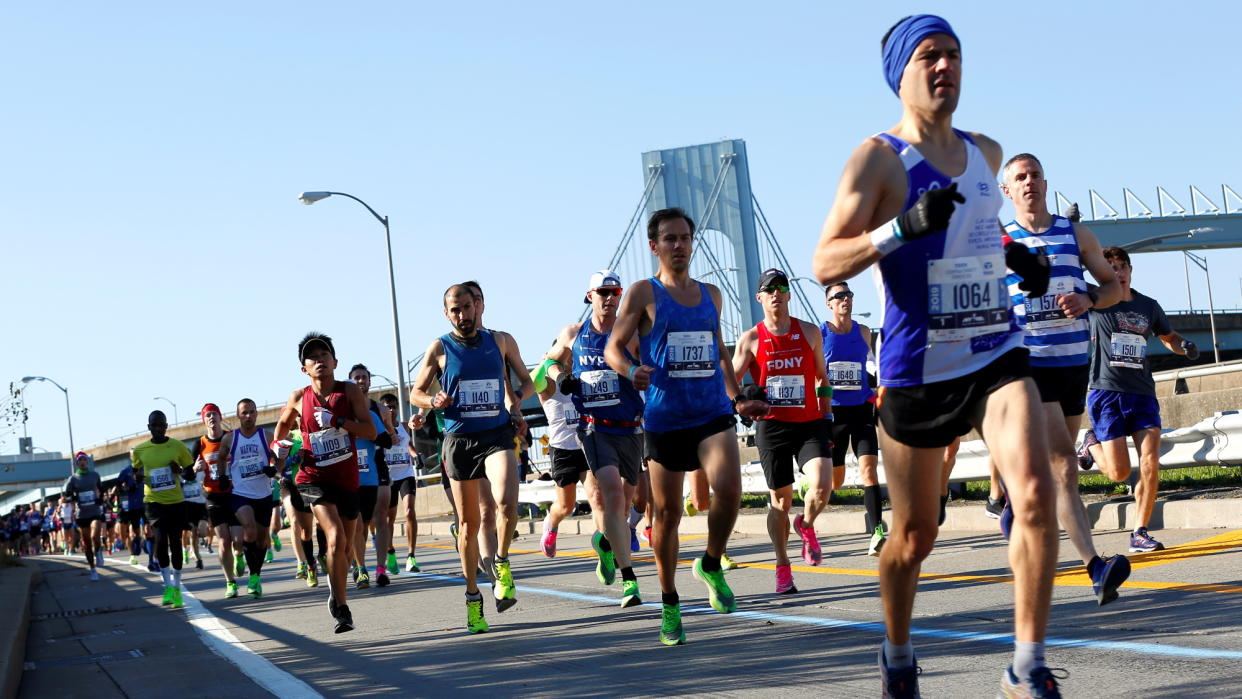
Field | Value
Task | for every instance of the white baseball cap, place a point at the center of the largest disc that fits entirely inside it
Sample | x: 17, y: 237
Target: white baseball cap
x: 602, y: 279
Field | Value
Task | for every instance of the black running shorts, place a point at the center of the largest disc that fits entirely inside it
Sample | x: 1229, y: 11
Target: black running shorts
x: 781, y: 443
x: 1066, y: 385
x: 678, y: 450
x: 853, y: 426
x: 465, y: 452
x: 346, y: 501
x: 933, y: 415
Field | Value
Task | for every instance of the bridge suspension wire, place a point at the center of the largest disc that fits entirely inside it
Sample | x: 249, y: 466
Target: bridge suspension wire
x: 619, y: 255
x: 709, y: 208
x: 779, y: 252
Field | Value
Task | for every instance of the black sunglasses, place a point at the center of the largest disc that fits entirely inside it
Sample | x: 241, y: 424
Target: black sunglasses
x: 775, y: 289
x: 606, y: 292
x: 842, y: 295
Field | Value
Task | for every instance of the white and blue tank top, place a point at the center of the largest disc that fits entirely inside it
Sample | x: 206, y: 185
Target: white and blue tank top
x: 845, y: 358
x: 946, y: 304
x: 1053, y: 339
x: 606, y: 396
x: 475, y: 377
x: 687, y: 386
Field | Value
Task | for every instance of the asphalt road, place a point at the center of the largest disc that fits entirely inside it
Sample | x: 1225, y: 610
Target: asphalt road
x: 1175, y: 632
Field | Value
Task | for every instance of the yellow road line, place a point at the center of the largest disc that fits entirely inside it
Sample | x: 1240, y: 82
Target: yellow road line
x: 1070, y: 577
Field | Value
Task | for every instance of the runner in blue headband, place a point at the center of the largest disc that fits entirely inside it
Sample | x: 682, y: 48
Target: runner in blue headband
x: 902, y: 39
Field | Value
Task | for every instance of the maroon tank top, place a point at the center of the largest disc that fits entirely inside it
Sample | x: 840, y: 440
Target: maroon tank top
x: 329, y: 456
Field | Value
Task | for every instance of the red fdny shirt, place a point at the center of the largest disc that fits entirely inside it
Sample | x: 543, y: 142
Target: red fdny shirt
x: 785, y: 366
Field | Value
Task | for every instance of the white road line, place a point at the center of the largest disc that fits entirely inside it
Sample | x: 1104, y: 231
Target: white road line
x: 223, y: 643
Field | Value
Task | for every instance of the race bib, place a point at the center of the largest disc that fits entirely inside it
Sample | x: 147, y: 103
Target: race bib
x: 86, y: 497
x: 966, y: 297
x: 191, y: 489
x: 1043, y: 311
x: 251, y: 468
x: 161, y: 479
x: 786, y: 391
x: 692, y: 355
x: 364, y: 465
x: 330, y: 446
x: 600, y: 388
x: 571, y: 417
x: 845, y: 376
x: 397, y: 456
x: 479, y: 398
x: 1127, y: 350
x: 213, y: 465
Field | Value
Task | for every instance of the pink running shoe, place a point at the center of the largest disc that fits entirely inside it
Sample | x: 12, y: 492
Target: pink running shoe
x: 811, y: 552
x: 784, y: 581
x: 548, y: 543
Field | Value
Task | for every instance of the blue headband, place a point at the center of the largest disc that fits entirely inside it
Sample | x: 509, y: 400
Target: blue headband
x: 904, y: 38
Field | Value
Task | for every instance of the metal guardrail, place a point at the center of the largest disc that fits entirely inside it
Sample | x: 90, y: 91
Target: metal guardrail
x: 1216, y: 440
x: 1192, y: 372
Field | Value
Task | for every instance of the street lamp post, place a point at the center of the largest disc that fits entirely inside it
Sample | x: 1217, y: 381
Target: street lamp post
x: 1202, y: 263
x: 176, y: 418
x: 68, y: 415
x: 309, y: 198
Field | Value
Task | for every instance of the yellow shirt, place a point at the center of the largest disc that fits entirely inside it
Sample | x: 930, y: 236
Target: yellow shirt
x: 162, y: 483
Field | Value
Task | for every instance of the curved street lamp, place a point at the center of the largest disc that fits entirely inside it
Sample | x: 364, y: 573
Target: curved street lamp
x: 176, y: 419
x: 309, y: 198
x: 68, y: 416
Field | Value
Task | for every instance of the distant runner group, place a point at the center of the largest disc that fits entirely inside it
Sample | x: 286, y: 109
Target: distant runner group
x: 986, y: 326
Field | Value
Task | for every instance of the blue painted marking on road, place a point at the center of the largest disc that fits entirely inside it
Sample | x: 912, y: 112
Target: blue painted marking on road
x: 828, y: 622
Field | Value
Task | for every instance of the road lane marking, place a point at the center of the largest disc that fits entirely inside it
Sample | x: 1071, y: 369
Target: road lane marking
x: 878, y: 627
x: 224, y: 644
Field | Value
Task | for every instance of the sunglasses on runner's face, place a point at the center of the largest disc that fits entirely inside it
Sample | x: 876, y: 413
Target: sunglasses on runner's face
x: 606, y: 292
x: 775, y: 289
x: 842, y: 295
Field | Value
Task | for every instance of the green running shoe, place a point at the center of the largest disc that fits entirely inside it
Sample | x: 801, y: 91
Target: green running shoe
x: 475, y: 623
x: 323, y: 561
x: 177, y: 603
x: 727, y: 563
x: 391, y: 564
x: 239, y: 565
x: 168, y: 596
x: 363, y: 581
x: 255, y: 586
x: 301, y: 574
x: 411, y: 564
x: 230, y: 590
x: 629, y: 594
x: 133, y: 560
x: 269, y: 557
x: 186, y: 556
x: 718, y: 591
x: 312, y: 578
x: 671, y: 632
x: 503, y: 588
x: 606, y: 568
x: 689, y: 508
x: 276, y: 541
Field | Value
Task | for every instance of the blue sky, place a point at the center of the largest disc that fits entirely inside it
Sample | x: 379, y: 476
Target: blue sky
x: 154, y: 244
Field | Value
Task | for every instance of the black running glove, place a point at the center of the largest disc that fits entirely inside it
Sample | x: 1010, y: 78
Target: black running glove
x: 187, y: 473
x: 269, y: 471
x: 930, y: 214
x: 1073, y: 214
x: 1032, y: 267
x: 1191, y: 349
x: 568, y: 384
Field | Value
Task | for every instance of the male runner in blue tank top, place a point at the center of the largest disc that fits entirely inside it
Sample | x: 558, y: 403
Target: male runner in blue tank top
x: 847, y: 346
x: 1058, y: 337
x: 481, y: 419
x: 951, y: 357
x: 610, y: 429
x: 692, y: 395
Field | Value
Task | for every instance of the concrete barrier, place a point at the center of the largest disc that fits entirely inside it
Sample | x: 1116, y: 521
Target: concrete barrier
x: 16, y: 584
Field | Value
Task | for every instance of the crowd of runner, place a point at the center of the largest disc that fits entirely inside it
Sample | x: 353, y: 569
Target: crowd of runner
x: 986, y: 326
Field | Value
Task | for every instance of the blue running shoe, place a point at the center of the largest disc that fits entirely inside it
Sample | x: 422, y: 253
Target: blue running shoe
x: 634, y: 546
x: 1107, y: 575
x: 1040, y: 684
x: 1142, y: 542
x: 898, y: 683
x: 1006, y: 519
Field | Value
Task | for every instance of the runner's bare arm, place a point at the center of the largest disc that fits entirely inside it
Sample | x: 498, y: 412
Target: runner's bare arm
x: 1108, y: 292
x: 288, y: 416
x: 364, y: 427
x: 871, y: 191
x: 222, y: 454
x: 813, y: 338
x: 637, y: 308
x: 427, y: 373
x: 562, y: 351
x: 744, y: 352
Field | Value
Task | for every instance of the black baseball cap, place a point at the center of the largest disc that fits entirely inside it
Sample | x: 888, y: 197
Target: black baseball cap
x: 771, y: 276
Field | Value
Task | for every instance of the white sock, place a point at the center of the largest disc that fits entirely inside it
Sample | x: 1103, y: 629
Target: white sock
x: 167, y: 579
x: 898, y: 657
x: 176, y: 578
x: 1028, y: 656
x: 635, y: 517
